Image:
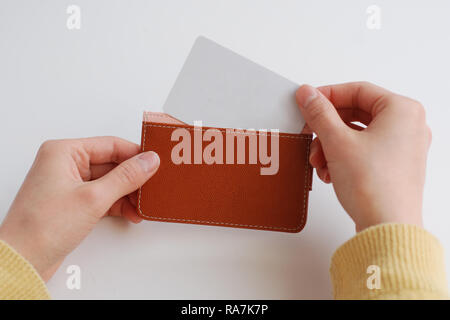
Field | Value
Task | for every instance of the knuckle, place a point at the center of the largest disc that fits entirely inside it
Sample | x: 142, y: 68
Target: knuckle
x: 128, y: 173
x: 364, y: 83
x: 48, y: 146
x: 316, y: 110
x: 417, y: 109
x: 394, y: 100
x: 48, y: 143
x: 409, y: 107
x: 413, y: 107
x: 111, y: 139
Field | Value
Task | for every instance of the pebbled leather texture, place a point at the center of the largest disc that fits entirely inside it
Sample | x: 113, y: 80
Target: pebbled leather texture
x: 228, y: 195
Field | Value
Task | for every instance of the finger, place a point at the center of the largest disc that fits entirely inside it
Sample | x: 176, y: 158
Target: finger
x: 306, y: 130
x: 327, y: 178
x: 317, y: 157
x: 126, y: 177
x: 123, y: 208
x: 130, y: 213
x: 133, y: 198
x: 99, y: 170
x: 323, y: 174
x: 108, y: 149
x: 318, y: 161
x: 359, y: 95
x: 320, y: 114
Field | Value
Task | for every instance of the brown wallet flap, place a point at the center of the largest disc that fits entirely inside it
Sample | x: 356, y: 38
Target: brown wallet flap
x: 230, y: 195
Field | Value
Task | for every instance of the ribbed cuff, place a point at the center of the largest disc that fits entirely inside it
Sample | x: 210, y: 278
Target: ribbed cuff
x: 390, y: 261
x: 18, y: 278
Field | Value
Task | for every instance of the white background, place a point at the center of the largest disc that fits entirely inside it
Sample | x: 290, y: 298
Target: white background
x: 56, y: 83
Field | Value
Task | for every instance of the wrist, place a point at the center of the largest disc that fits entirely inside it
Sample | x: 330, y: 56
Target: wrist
x: 28, y: 248
x: 408, y: 220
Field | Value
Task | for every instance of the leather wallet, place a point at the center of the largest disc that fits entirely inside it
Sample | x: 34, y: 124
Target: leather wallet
x: 220, y: 193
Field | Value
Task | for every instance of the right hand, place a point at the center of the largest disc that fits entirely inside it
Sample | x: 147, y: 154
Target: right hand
x: 378, y: 172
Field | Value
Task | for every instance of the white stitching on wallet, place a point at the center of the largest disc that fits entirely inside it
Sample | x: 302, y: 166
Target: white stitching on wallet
x: 224, y: 130
x: 302, y: 221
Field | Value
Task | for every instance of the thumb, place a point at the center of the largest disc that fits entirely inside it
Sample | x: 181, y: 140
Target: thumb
x: 127, y: 177
x: 319, y: 113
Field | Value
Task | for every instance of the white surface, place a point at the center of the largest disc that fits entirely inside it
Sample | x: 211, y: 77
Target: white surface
x: 223, y: 89
x: 57, y: 83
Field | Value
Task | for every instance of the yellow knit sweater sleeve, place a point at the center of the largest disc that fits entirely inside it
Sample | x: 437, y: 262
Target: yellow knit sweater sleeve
x: 18, y: 278
x: 390, y: 261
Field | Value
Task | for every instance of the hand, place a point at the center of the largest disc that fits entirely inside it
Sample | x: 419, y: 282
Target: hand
x: 70, y: 187
x: 378, y: 172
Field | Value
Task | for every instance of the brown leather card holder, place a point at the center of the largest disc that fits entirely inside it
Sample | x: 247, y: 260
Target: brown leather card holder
x: 223, y: 177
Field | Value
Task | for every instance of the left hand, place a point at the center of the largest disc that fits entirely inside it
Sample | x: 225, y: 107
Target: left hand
x: 73, y: 184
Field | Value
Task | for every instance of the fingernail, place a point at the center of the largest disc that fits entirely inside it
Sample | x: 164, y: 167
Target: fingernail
x: 149, y: 161
x: 305, y: 94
